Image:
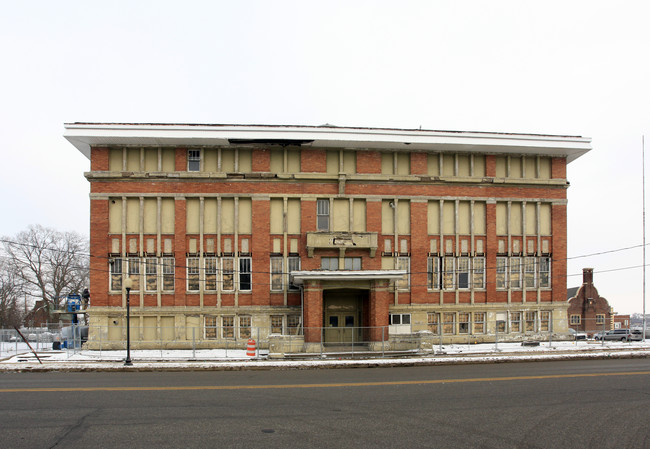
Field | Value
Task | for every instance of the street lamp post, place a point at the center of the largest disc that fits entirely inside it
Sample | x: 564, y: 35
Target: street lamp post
x: 128, y: 284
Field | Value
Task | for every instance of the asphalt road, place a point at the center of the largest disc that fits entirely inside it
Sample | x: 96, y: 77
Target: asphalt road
x: 603, y: 404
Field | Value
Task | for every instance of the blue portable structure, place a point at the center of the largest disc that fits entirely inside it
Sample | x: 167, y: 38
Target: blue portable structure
x: 73, y: 302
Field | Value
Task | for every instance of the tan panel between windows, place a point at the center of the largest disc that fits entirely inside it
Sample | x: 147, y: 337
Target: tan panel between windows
x: 150, y: 215
x: 115, y: 159
x: 479, y: 165
x: 464, y: 217
x: 192, y: 215
x: 359, y: 210
x: 277, y: 216
x: 433, y: 217
x: 448, y: 164
x: 211, y: 160
x: 115, y: 215
x: 228, y: 216
x: 502, y: 219
x: 293, y: 161
x: 293, y: 216
x: 501, y: 166
x: 349, y: 162
x: 531, y: 167
x: 545, y: 219
x: 168, y: 159
x: 133, y: 159
x: 168, y: 216
x: 387, y: 263
x: 433, y: 164
x: 531, y: 219
x: 133, y: 215
x: 245, y: 161
x: 403, y: 163
x: 515, y: 219
x: 545, y: 167
x: 227, y: 161
x: 448, y: 218
x: 515, y: 167
x: 151, y: 159
x: 387, y: 166
x: 463, y: 165
x: 404, y: 217
x: 341, y: 215
x: 245, y: 224
x: 479, y: 218
x: 387, y: 217
x: 210, y: 216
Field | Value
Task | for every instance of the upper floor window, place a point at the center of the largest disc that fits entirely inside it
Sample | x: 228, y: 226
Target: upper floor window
x: 323, y: 215
x: 193, y: 160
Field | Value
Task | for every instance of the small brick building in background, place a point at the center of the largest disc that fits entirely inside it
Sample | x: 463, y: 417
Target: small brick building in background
x: 588, y: 311
x: 324, y: 233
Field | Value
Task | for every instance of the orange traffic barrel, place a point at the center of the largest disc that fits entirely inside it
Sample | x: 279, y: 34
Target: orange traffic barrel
x: 250, y: 351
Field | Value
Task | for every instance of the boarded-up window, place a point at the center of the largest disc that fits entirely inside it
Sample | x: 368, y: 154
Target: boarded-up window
x: 210, y: 216
x: 479, y: 218
x: 245, y: 219
x: 463, y: 165
x: 133, y: 215
x: 403, y: 163
x: 479, y: 166
x: 133, y: 159
x: 167, y: 215
x: 501, y: 166
x: 293, y: 216
x: 545, y: 219
x: 192, y: 212
x: 433, y: 164
x: 245, y: 161
x: 150, y: 215
x: 448, y: 217
x: 168, y: 159
x: 404, y: 217
x: 210, y: 160
x: 515, y: 167
x: 151, y: 159
x: 349, y: 162
x: 277, y: 220
x: 433, y: 321
x: 332, y: 162
x: 115, y: 159
x: 228, y: 216
x: 433, y: 217
x: 545, y: 167
x: 115, y: 215
x: 448, y: 165
x: 531, y: 218
x: 449, y: 323
x: 515, y: 219
x: 530, y: 167
x: 341, y: 215
x: 464, y: 217
x: 227, y: 161
x: 502, y: 219
x: 293, y: 161
x: 387, y: 163
x: 359, y: 210
x: 388, y: 217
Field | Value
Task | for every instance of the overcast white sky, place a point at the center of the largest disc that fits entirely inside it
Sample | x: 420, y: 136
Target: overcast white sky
x: 553, y: 67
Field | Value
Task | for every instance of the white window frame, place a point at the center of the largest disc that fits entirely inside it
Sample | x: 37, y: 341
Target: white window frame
x: 116, y: 272
x: 168, y: 272
x: 228, y: 274
x: 134, y: 272
x: 544, y: 272
x: 449, y: 273
x: 478, y: 273
x: 193, y: 273
x: 323, y: 214
x: 211, y: 271
x: 277, y: 273
x: 502, y: 273
x: 151, y: 272
x: 515, y: 273
x: 403, y: 263
x: 530, y: 272
x: 293, y: 264
x: 329, y: 260
x: 433, y: 272
x: 463, y: 271
x: 243, y: 272
x: 194, y: 160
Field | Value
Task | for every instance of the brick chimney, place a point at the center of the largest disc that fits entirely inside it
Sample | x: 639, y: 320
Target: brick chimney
x: 588, y: 276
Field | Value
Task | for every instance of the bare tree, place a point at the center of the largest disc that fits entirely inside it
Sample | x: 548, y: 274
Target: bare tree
x: 49, y: 263
x: 10, y: 290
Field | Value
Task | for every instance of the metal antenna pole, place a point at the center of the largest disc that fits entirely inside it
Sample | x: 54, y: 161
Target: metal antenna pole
x: 643, y: 167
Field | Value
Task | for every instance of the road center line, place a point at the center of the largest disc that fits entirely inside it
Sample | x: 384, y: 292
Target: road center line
x: 326, y: 385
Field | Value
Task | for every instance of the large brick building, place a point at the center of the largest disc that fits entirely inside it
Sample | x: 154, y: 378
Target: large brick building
x: 347, y: 233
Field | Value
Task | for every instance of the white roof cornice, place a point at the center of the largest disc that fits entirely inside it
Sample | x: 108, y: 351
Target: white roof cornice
x: 86, y: 135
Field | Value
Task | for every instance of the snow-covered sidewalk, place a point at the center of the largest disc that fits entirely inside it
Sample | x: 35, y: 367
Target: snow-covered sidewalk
x: 217, y: 359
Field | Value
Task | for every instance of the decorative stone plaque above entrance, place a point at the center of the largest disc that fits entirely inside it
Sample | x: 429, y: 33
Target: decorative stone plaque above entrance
x: 341, y: 240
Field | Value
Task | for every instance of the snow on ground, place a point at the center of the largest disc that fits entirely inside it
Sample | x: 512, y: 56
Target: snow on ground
x: 237, y: 359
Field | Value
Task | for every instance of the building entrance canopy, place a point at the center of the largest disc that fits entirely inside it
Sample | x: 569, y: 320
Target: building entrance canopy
x: 300, y: 277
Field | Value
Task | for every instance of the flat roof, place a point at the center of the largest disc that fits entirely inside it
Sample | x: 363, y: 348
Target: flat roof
x: 84, y: 135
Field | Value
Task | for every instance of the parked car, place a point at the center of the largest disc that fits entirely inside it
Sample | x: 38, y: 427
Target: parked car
x: 620, y: 335
x: 577, y: 335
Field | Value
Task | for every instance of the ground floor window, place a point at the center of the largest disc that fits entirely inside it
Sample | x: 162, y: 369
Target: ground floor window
x: 244, y: 327
x: 400, y: 318
x: 531, y: 321
x: 575, y: 319
x: 449, y: 323
x: 293, y: 324
x: 433, y: 321
x: 479, y: 322
x: 463, y: 323
x: 515, y: 321
x: 544, y: 321
x: 228, y: 326
x: 600, y: 319
x: 211, y: 327
x: 277, y: 322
